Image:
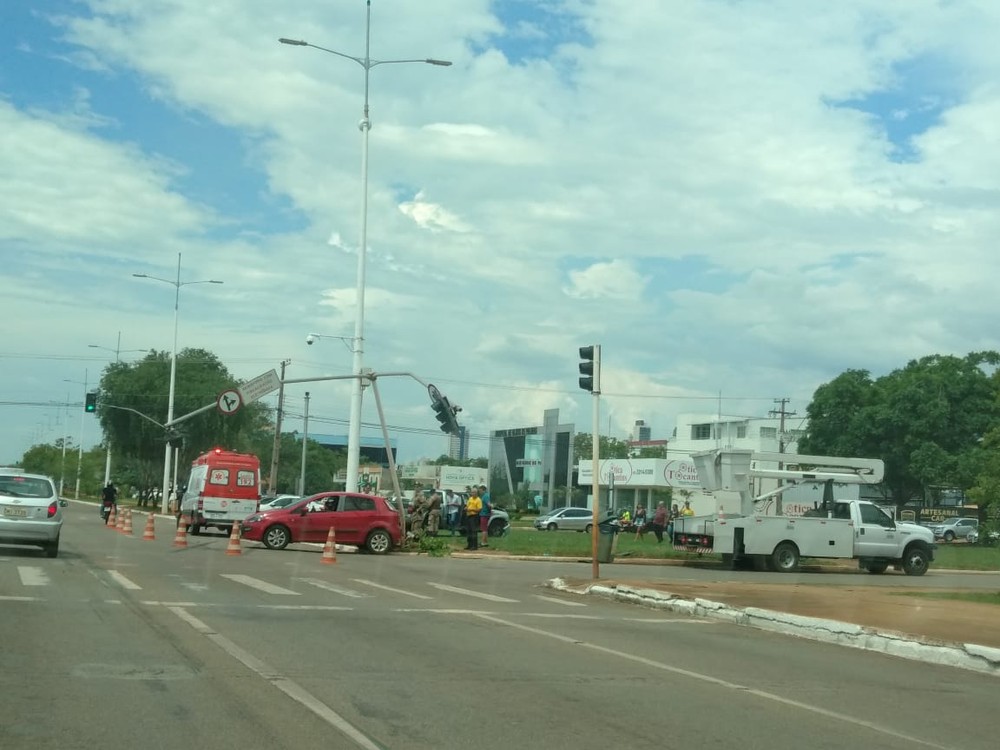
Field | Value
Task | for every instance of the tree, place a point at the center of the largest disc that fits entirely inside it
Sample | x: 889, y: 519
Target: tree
x: 925, y: 420
x: 609, y: 447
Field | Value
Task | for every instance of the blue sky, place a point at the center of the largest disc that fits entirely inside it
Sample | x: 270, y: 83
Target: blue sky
x: 734, y: 198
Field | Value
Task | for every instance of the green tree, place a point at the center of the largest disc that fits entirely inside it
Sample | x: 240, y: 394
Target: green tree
x: 925, y: 421
x: 48, y: 459
x: 609, y: 447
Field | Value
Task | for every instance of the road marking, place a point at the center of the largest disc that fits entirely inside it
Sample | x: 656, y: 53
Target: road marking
x: 334, y: 588
x: 195, y: 586
x: 307, y: 607
x: 289, y: 688
x: 718, y: 682
x: 470, y: 592
x: 670, y: 620
x: 390, y: 588
x: 19, y: 599
x: 556, y: 600
x: 124, y: 582
x: 444, y: 611
x: 31, y: 576
x: 256, y: 583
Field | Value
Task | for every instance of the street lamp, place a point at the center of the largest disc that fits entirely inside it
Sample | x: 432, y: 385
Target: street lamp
x: 173, y: 367
x: 366, y: 62
x: 83, y: 413
x: 118, y: 352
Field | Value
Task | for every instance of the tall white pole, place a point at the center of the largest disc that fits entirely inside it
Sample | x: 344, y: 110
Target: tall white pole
x: 79, y: 456
x: 107, y: 457
x: 305, y: 443
x: 62, y: 468
x: 170, y: 398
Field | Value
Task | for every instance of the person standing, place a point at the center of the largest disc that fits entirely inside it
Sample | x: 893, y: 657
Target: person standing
x: 452, y: 506
x: 434, y: 514
x: 484, y: 514
x: 659, y: 521
x: 639, y: 520
x: 473, y: 506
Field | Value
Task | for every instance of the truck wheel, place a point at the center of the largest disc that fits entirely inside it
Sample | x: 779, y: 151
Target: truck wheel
x: 785, y: 558
x: 496, y: 528
x: 277, y: 537
x: 916, y: 560
x: 877, y: 568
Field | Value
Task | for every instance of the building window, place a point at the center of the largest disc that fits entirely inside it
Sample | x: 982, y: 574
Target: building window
x: 768, y: 433
x: 701, y: 432
x: 741, y: 430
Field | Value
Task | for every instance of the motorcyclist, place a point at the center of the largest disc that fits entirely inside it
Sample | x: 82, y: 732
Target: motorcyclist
x: 109, y: 500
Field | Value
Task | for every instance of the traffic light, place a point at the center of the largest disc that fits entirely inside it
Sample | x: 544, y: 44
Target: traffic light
x: 90, y: 405
x: 590, y: 368
x: 444, y: 411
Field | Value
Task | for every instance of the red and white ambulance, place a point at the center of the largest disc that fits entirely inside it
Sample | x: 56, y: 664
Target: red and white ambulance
x: 223, y: 489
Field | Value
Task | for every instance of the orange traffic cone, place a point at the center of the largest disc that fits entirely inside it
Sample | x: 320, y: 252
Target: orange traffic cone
x: 113, y: 518
x: 234, y: 542
x: 180, y: 538
x: 120, y: 521
x: 330, y: 549
x: 127, y: 526
x: 149, y: 533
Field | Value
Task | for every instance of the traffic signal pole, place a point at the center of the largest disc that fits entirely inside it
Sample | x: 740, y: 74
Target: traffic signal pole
x: 590, y: 380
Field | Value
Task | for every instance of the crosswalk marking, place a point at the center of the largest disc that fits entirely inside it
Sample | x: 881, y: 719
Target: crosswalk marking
x: 390, y: 588
x: 326, y: 586
x: 124, y: 582
x: 256, y: 583
x: 31, y: 576
x: 470, y: 592
x: 556, y: 600
x: 19, y: 599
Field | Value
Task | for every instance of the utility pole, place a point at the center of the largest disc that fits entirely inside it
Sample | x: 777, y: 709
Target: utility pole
x: 276, y: 450
x: 781, y: 412
x: 305, y: 443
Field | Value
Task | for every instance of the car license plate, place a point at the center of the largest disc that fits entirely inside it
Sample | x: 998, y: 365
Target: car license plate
x: 10, y: 512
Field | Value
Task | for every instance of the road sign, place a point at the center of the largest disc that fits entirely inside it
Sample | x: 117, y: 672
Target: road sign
x: 229, y: 401
x: 259, y: 386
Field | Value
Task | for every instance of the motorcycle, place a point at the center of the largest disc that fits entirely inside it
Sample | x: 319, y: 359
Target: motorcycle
x: 106, y: 510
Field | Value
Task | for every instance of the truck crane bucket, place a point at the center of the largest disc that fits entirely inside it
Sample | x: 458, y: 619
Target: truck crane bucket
x: 723, y: 470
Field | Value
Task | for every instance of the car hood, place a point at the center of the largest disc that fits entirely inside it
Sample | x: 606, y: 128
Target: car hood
x: 916, y: 530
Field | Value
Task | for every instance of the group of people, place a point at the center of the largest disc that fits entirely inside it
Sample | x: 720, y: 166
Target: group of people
x: 469, y: 515
x: 661, y: 522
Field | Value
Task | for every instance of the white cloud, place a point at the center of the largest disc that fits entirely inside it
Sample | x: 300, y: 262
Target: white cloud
x: 616, y: 280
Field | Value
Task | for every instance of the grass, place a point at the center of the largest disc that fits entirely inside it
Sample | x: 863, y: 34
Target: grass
x: 528, y: 541
x: 966, y: 557
x: 981, y: 597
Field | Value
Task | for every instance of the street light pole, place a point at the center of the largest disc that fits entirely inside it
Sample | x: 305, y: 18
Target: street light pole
x: 83, y: 413
x: 366, y: 62
x: 173, y: 369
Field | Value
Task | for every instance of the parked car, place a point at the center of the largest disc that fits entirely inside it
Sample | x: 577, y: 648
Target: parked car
x: 955, y: 528
x: 990, y: 539
x: 366, y: 521
x: 572, y: 519
x: 30, y: 511
x: 281, y: 501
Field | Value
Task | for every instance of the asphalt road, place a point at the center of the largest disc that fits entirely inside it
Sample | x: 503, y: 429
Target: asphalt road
x: 125, y: 643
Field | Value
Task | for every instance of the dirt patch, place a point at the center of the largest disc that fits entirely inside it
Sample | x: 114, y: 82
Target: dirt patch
x: 942, y: 620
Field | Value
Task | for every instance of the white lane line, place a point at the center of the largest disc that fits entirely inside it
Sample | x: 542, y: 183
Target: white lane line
x: 256, y: 583
x: 671, y: 620
x: 289, y: 688
x: 878, y: 728
x: 19, y: 599
x: 31, y: 576
x: 326, y: 586
x: 556, y: 600
x: 307, y: 607
x: 124, y: 582
x: 390, y: 588
x: 195, y: 586
x: 470, y: 592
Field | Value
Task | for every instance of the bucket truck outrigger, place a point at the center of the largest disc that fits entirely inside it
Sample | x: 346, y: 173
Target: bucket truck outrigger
x: 834, y: 529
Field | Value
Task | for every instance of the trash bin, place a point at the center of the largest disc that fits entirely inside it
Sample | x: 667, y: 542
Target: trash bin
x: 605, y: 540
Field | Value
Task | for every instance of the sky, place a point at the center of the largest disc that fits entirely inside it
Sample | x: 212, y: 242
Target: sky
x: 737, y: 199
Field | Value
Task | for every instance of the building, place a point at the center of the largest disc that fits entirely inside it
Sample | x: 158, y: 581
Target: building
x: 537, y: 458
x: 642, y: 432
x: 458, y: 445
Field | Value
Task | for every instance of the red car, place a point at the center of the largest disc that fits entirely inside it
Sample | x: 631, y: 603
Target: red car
x: 367, y: 521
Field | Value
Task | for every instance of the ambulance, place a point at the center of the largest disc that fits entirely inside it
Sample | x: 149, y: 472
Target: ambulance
x: 222, y: 490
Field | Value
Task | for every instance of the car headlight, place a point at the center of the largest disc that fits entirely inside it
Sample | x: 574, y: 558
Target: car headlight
x: 253, y: 519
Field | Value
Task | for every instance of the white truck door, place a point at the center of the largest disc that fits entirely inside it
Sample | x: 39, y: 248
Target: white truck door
x: 875, y: 533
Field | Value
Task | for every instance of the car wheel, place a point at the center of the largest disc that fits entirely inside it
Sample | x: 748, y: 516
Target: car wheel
x: 916, y: 560
x: 877, y: 568
x: 496, y: 527
x: 378, y: 542
x: 785, y: 558
x: 52, y: 548
x: 590, y: 528
x: 949, y: 536
x: 277, y: 537
x: 551, y: 527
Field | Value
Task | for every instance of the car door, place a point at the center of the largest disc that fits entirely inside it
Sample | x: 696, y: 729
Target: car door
x: 578, y: 518
x: 876, y: 534
x: 356, y: 517
x: 321, y: 514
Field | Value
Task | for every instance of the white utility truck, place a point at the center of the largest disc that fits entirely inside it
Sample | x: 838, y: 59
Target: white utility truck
x: 834, y: 529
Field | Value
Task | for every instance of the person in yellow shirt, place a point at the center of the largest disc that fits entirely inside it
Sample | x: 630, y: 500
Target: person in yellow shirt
x: 686, y: 510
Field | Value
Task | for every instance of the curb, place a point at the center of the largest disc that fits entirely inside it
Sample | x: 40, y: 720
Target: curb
x: 971, y: 656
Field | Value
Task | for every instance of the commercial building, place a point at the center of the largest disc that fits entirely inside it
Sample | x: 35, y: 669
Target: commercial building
x: 538, y: 458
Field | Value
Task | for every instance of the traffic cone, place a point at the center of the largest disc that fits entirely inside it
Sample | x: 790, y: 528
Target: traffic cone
x: 127, y: 525
x: 113, y: 518
x: 180, y: 538
x: 234, y: 542
x: 149, y: 533
x: 330, y: 548
x: 120, y: 521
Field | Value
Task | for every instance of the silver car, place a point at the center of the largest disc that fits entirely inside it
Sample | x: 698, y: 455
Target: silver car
x: 30, y: 511
x: 573, y: 519
x: 955, y: 528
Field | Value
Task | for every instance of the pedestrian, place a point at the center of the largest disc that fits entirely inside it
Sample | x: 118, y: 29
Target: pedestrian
x: 452, y: 505
x: 109, y: 500
x: 659, y: 521
x: 434, y: 514
x: 473, y: 506
x: 484, y: 514
x: 687, y: 510
x: 675, y: 513
x: 639, y: 521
